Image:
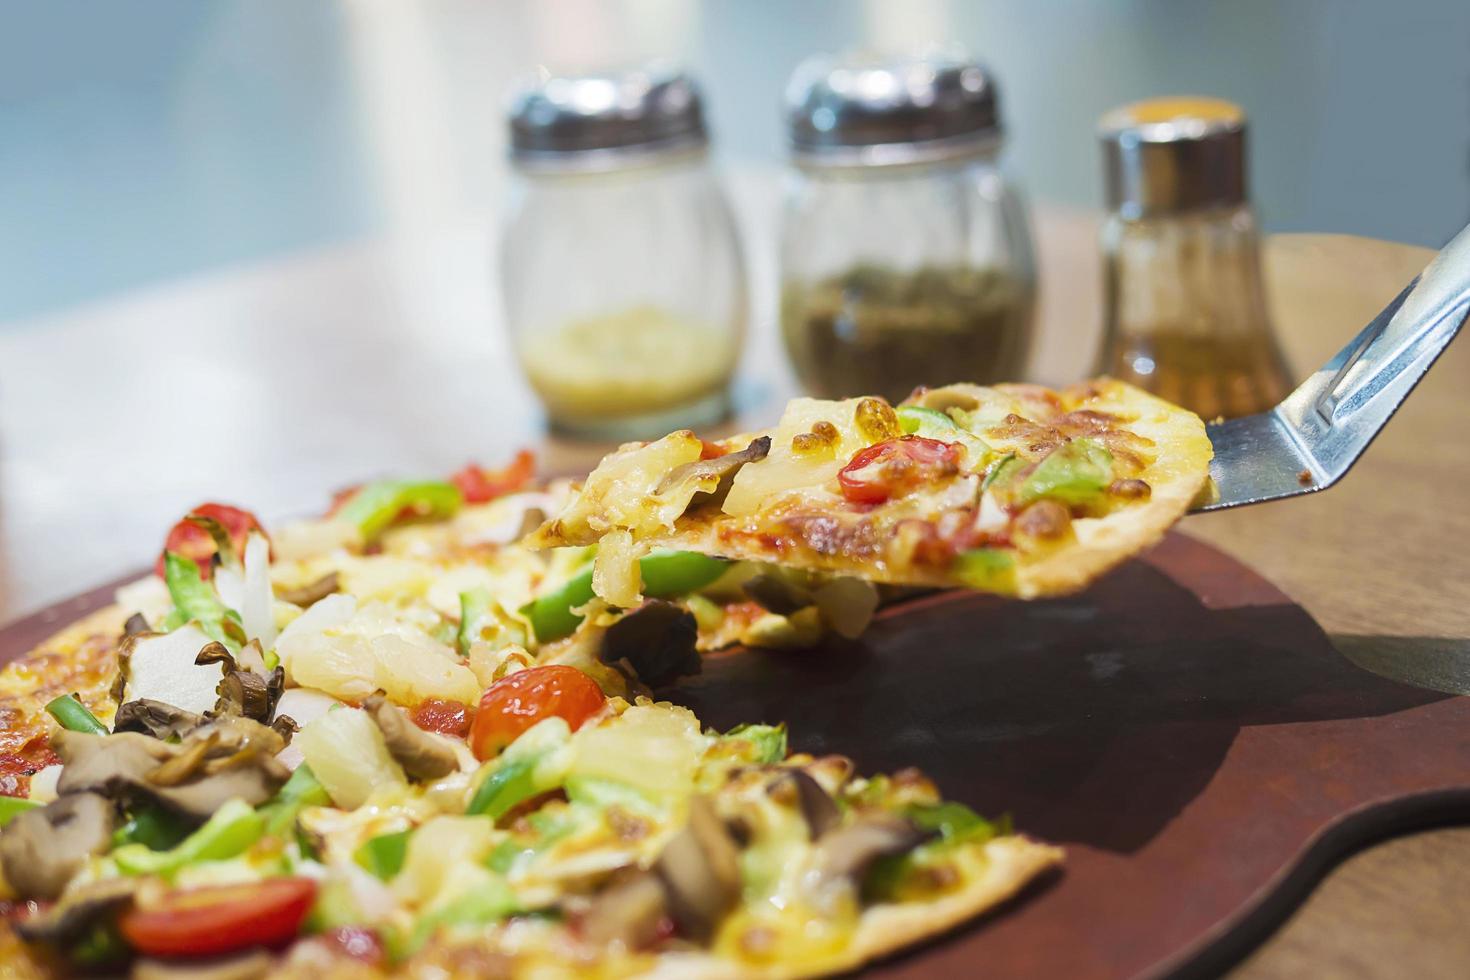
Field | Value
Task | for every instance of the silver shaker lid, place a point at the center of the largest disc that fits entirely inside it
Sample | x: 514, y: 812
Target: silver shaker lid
x: 1171, y: 155
x: 606, y: 121
x: 864, y: 111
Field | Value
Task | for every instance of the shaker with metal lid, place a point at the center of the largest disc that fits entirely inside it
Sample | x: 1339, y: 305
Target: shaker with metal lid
x: 623, y: 282
x: 1185, y: 309
x: 906, y: 254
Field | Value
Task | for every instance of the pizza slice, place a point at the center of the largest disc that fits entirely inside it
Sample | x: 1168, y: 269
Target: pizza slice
x: 1014, y: 489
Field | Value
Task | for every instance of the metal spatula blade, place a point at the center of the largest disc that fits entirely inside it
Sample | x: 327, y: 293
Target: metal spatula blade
x: 1313, y: 438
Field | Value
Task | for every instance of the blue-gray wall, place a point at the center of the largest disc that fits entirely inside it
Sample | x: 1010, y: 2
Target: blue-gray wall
x: 144, y: 140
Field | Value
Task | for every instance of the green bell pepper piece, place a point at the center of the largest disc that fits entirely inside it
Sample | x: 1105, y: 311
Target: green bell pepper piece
x: 492, y: 901
x: 955, y: 822
x: 230, y: 832
x: 12, y: 806
x: 986, y: 569
x: 769, y: 740
x: 474, y: 606
x: 154, y: 827
x: 195, y: 599
x: 509, y: 785
x: 383, y: 855
x: 665, y: 574
x: 376, y: 507
x: 303, y: 789
x: 1076, y: 472
x: 929, y: 423
x: 72, y: 715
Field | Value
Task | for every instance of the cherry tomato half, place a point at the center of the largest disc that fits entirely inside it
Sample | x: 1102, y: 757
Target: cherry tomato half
x: 896, y: 466
x: 480, y: 485
x: 515, y: 703
x: 193, y: 542
x: 220, y: 919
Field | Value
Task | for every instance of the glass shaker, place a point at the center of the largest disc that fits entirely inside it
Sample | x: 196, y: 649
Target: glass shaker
x: 621, y: 272
x: 1185, y: 312
x: 906, y: 256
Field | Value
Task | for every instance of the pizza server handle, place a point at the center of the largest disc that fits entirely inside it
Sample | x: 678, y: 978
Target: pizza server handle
x: 1310, y: 441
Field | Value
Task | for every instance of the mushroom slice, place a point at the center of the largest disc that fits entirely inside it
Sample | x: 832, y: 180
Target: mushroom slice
x: 422, y: 756
x: 149, y: 717
x: 111, y: 765
x: 244, y: 693
x: 43, y: 849
x: 628, y: 911
x: 700, y: 871
x: 136, y: 623
x: 78, y: 911
x: 312, y: 592
x: 255, y: 784
x: 659, y: 641
x: 721, y: 470
x: 818, y: 809
x: 844, y: 856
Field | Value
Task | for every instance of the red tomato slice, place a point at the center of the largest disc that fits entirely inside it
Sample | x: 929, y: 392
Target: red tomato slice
x: 896, y: 466
x: 480, y: 485
x: 515, y: 703
x: 194, y: 543
x: 220, y: 919
x: 444, y: 717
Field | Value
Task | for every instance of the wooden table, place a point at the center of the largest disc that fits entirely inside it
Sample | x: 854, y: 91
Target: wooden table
x: 270, y: 385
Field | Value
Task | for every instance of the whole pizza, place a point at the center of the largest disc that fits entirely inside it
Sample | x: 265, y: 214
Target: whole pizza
x: 418, y: 735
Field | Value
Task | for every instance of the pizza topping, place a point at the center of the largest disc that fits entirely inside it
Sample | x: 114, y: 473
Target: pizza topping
x: 42, y: 849
x: 443, y: 717
x: 312, y: 592
x: 1045, y: 520
x: 700, y: 871
x: 422, y: 756
x: 479, y: 485
x: 210, y: 921
x: 876, y: 420
x: 374, y: 508
x: 843, y: 857
x: 822, y: 438
x: 631, y: 911
x: 79, y: 912
x: 348, y: 755
x: 818, y: 809
x: 664, y: 575
x: 896, y: 467
x: 191, y: 538
x: 658, y: 640
x: 157, y: 718
x: 715, y: 474
x: 163, y: 667
x: 514, y: 704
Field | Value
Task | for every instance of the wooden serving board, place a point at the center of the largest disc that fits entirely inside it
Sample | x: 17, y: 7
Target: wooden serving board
x: 1182, y: 728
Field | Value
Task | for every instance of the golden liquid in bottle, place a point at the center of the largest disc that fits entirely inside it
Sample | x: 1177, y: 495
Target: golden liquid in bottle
x: 1186, y: 314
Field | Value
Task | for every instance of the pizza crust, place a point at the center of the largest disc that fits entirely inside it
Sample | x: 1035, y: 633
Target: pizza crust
x: 1011, y: 863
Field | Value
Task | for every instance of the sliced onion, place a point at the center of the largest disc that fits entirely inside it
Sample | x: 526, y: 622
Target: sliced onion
x: 230, y: 586
x: 256, y: 598
x: 304, y: 705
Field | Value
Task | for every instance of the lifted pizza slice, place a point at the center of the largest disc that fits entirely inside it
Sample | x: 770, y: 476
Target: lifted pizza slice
x: 1014, y: 489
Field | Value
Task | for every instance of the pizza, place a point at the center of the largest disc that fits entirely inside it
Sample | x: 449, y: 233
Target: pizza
x: 397, y: 740
x: 1014, y: 489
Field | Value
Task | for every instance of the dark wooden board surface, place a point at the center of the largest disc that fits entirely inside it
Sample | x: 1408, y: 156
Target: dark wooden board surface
x: 1184, y: 730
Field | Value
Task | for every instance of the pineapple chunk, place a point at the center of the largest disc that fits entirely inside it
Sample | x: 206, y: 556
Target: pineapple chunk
x: 436, y: 849
x: 411, y: 673
x: 620, y: 492
x: 653, y: 748
x: 813, y: 440
x: 347, y: 753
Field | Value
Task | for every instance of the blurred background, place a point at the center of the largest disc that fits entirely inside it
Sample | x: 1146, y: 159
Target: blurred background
x: 144, y: 141
x: 247, y: 247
